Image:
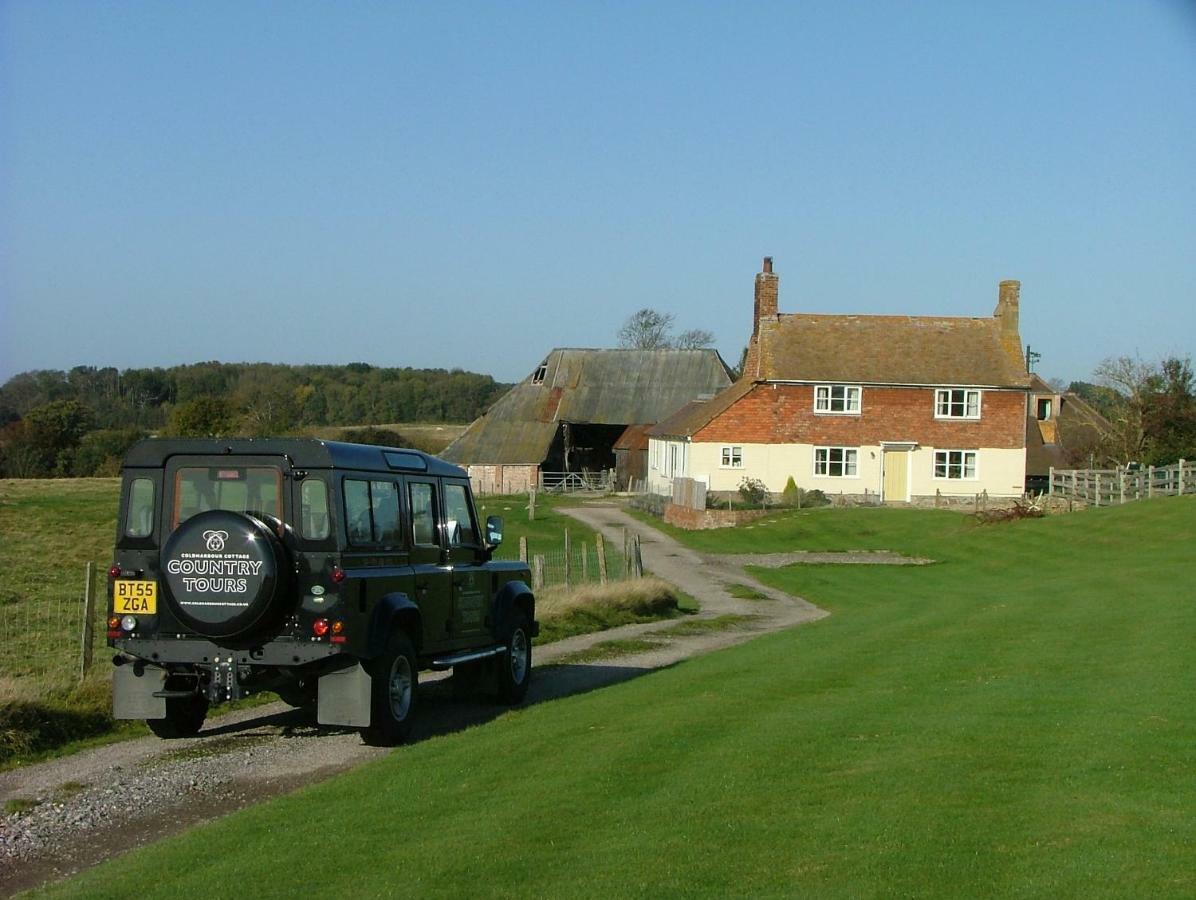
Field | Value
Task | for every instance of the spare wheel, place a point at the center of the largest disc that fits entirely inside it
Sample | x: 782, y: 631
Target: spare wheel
x: 224, y: 572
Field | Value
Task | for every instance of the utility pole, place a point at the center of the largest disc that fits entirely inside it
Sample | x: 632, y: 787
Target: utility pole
x: 1031, y: 358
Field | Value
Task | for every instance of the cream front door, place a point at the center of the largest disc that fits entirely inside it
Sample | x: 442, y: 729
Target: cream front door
x: 896, y: 475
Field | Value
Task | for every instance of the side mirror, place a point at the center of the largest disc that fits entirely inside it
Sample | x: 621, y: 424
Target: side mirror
x: 494, y: 530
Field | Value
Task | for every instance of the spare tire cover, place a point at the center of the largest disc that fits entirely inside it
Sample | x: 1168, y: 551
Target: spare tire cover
x: 223, y: 570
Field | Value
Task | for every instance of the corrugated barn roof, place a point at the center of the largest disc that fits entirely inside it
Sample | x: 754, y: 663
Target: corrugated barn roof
x: 597, y: 387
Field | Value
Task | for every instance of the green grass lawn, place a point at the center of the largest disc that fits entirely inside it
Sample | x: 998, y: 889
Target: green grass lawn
x: 1016, y: 720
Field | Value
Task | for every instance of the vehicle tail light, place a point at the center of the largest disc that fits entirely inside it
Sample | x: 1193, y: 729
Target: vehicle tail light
x: 113, y: 623
x: 338, y: 574
x: 114, y: 571
x: 129, y: 623
x: 319, y: 627
x: 338, y: 626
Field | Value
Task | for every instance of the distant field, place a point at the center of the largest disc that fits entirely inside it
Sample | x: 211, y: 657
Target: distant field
x: 431, y: 437
x: 1014, y: 720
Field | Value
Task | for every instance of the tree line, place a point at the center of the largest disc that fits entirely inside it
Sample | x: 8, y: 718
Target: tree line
x: 1150, y: 407
x: 80, y: 422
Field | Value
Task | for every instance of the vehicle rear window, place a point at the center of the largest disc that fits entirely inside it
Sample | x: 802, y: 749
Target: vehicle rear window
x: 235, y: 488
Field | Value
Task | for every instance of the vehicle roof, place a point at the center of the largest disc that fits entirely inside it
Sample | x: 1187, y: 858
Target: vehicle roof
x: 304, y: 453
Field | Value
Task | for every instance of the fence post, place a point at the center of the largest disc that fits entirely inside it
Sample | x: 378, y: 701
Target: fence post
x: 523, y: 548
x: 1181, y: 478
x: 600, y: 546
x: 1098, y: 488
x: 568, y: 560
x: 1073, y: 483
x: 89, y: 607
x: 538, y: 572
x: 1120, y: 486
x: 531, y: 505
x: 1051, y: 481
x: 1149, y: 482
x: 639, y: 560
x: 585, y: 564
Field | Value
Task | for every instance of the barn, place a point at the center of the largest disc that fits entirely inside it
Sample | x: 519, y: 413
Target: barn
x: 565, y: 419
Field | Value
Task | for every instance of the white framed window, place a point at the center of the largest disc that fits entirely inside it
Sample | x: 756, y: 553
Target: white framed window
x: 732, y: 458
x: 836, y: 462
x: 956, y: 403
x: 955, y: 464
x: 839, y: 399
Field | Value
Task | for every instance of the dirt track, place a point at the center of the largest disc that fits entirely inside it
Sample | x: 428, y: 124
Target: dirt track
x: 102, y: 802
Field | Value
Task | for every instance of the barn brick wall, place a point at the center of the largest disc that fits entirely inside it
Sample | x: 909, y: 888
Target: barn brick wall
x: 784, y: 414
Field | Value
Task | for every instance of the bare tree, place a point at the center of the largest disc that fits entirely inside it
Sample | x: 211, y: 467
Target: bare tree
x: 1134, y: 380
x: 647, y: 329
x: 694, y: 339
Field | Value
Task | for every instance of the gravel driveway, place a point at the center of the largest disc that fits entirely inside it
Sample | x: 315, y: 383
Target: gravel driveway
x: 98, y: 803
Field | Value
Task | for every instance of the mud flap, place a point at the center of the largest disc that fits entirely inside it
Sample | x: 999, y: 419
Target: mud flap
x: 344, y: 697
x: 133, y: 694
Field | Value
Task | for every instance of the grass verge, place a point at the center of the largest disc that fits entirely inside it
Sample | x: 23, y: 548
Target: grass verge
x: 598, y: 608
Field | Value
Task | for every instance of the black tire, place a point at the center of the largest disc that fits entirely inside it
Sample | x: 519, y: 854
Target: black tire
x: 299, y: 694
x: 184, y: 718
x: 515, y: 665
x: 394, y: 684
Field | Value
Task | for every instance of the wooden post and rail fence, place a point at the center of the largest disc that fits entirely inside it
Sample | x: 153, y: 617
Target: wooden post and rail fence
x: 1112, y: 487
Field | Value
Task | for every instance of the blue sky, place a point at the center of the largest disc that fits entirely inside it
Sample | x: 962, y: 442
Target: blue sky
x: 469, y: 185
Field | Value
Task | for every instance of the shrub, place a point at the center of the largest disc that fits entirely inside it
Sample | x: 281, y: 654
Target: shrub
x: 791, y: 495
x: 754, y: 492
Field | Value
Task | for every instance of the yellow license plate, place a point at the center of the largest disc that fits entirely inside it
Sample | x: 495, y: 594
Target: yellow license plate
x: 135, y: 597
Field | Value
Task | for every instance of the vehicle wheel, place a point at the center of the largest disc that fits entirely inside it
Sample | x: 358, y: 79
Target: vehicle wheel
x: 515, y: 665
x: 299, y: 694
x: 184, y: 718
x: 394, y: 678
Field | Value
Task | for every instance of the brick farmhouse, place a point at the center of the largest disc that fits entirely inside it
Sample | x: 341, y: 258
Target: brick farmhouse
x: 904, y: 407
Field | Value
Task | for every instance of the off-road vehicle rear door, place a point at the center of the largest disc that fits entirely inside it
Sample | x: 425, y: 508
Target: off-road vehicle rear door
x: 433, y: 591
x: 463, y: 539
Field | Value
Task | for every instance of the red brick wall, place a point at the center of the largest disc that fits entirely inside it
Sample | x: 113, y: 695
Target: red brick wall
x: 704, y: 519
x: 784, y: 414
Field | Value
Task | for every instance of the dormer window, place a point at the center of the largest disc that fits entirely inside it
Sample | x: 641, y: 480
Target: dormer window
x: 837, y: 399
x: 956, y: 403
x: 1044, y: 409
x: 539, y: 375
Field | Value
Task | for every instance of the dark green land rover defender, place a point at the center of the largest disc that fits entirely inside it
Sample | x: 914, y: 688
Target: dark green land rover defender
x: 331, y: 573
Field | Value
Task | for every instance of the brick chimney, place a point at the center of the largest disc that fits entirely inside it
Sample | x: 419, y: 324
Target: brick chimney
x: 765, y: 314
x: 1007, y: 308
x: 766, y: 296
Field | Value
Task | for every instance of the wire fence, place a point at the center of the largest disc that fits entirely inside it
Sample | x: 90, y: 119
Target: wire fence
x: 44, y: 647
x: 578, y: 563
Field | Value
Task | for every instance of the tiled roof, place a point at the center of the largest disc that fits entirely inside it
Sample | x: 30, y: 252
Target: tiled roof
x: 906, y: 350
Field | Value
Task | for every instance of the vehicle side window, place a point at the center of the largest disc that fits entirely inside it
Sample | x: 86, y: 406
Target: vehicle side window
x: 384, y: 500
x: 139, y: 517
x: 423, y: 513
x: 372, y: 511
x: 313, y: 512
x: 357, y: 511
x: 459, y: 512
